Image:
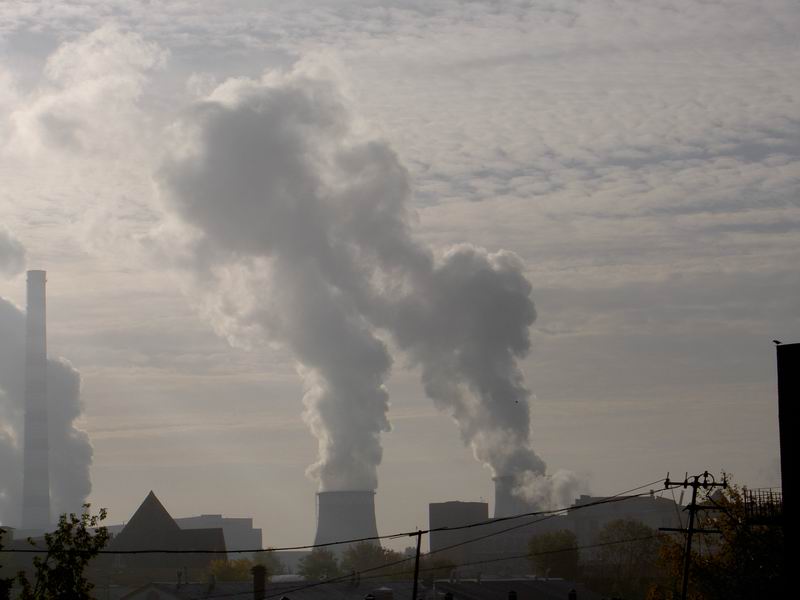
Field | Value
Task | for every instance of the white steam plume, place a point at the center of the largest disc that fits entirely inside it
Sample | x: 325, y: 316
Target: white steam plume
x: 300, y: 227
x: 260, y: 171
x: 70, y: 449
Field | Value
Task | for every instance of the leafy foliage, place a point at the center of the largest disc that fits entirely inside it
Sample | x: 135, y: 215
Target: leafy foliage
x: 745, y: 560
x: 434, y: 567
x: 231, y: 570
x: 555, y: 554
x: 60, y: 574
x: 271, y: 561
x: 319, y: 564
x: 628, y: 559
x: 5, y: 583
x: 368, y: 556
x: 241, y: 569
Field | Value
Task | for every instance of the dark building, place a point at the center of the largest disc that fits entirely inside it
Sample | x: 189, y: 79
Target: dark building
x: 788, y: 396
x: 152, y: 528
x: 500, y: 547
x: 454, y: 546
x: 239, y: 531
x: 491, y: 549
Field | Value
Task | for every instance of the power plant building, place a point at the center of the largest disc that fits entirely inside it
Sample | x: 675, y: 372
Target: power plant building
x: 345, y: 515
x: 499, y: 548
x: 238, y: 531
x: 506, y: 503
x: 454, y: 546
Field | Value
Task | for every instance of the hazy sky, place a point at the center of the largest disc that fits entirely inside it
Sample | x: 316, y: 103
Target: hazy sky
x: 641, y: 158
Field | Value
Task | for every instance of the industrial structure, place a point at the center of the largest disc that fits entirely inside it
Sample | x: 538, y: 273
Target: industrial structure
x: 500, y: 547
x: 345, y: 515
x: 238, y: 531
x: 455, y: 544
x: 506, y: 503
x: 152, y: 528
x: 36, y: 471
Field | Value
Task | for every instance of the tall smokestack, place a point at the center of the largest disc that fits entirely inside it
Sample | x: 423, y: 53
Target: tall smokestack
x: 36, y: 475
x: 345, y: 515
x: 506, y: 504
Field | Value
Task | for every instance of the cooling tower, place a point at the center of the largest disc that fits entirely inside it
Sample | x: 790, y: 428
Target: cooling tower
x: 36, y: 474
x: 506, y: 503
x: 345, y: 515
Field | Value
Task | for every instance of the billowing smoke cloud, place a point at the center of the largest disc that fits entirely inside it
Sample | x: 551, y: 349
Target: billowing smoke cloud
x: 301, y: 226
x: 260, y: 171
x: 12, y: 254
x: 70, y: 449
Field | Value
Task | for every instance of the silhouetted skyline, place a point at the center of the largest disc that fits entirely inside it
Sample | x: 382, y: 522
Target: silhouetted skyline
x: 492, y: 237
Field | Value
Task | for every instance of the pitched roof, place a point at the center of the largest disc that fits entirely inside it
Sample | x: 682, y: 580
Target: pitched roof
x: 151, y: 526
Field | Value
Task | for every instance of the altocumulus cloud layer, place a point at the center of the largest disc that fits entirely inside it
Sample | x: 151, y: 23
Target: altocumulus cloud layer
x: 12, y: 253
x: 640, y: 156
x: 301, y: 225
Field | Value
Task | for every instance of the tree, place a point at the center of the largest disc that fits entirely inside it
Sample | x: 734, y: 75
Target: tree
x: 5, y: 583
x: 319, y: 564
x: 231, y: 570
x: 271, y: 561
x: 366, y: 556
x: 434, y: 567
x: 555, y: 554
x: 60, y: 574
x: 744, y: 560
x: 626, y: 562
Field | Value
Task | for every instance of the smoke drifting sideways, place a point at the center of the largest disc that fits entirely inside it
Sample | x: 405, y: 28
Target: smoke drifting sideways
x: 297, y: 227
x: 70, y: 448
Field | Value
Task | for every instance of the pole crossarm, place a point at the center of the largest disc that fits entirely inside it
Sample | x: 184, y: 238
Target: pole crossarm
x: 704, y: 481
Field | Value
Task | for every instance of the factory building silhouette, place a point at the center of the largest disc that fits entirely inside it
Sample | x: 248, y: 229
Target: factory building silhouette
x: 152, y: 528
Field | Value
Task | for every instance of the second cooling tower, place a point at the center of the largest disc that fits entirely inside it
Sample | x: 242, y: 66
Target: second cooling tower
x: 506, y: 504
x: 345, y: 515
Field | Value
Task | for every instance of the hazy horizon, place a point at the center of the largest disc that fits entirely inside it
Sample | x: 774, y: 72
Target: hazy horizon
x: 570, y: 225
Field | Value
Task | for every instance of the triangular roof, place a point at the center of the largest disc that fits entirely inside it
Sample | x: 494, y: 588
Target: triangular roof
x: 150, y: 527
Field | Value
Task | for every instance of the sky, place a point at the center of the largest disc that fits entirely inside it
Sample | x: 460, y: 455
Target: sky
x: 637, y: 163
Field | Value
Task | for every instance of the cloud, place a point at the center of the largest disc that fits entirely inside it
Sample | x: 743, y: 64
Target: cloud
x: 86, y: 103
x: 12, y: 254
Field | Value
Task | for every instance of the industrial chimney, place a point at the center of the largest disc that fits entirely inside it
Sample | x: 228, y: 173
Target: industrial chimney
x: 36, y: 474
x: 345, y: 515
x: 506, y: 504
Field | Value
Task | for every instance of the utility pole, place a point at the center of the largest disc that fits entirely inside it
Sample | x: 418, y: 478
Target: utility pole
x: 416, y: 565
x: 694, y: 482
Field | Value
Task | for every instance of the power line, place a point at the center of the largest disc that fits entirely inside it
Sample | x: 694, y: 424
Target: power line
x: 708, y: 483
x: 621, y: 496
x: 618, y: 497
x: 349, y: 576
